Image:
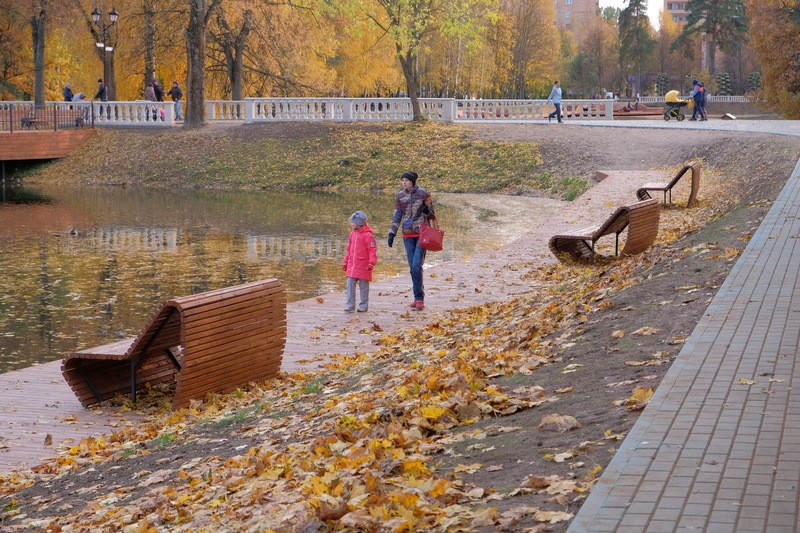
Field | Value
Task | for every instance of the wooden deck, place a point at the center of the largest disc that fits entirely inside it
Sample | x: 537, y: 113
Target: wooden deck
x: 40, y: 144
x: 37, y: 401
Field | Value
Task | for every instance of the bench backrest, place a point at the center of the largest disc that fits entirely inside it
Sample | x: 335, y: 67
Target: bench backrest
x: 230, y: 337
x: 695, y: 185
x: 643, y: 218
x: 616, y: 223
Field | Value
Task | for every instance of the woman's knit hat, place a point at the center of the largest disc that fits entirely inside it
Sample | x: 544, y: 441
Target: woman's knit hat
x: 359, y: 218
x: 410, y: 176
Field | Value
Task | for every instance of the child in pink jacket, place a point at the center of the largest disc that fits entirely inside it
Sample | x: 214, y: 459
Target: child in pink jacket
x: 361, y: 256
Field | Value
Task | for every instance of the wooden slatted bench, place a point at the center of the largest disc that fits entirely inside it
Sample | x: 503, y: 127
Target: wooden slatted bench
x: 640, y: 219
x: 666, y: 187
x: 209, y: 342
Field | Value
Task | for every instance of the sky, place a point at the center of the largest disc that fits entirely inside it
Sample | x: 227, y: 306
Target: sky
x: 653, y: 7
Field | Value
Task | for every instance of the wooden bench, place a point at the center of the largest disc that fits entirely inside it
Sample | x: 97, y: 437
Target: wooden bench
x: 666, y: 187
x: 210, y: 342
x: 640, y: 219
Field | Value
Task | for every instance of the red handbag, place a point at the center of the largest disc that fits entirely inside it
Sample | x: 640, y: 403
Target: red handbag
x: 431, y: 237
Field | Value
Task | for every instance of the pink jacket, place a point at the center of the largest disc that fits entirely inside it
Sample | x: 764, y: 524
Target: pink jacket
x: 362, y: 254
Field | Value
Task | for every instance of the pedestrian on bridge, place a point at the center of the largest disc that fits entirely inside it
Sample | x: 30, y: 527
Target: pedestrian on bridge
x: 68, y: 92
x: 102, y: 95
x: 176, y: 94
x: 555, y: 98
x: 150, y: 96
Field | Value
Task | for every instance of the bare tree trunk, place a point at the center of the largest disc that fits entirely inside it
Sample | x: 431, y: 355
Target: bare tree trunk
x: 149, y: 41
x: 407, y: 63
x: 712, y: 56
x: 38, y: 32
x: 238, y: 74
x: 233, y: 45
x: 199, y: 11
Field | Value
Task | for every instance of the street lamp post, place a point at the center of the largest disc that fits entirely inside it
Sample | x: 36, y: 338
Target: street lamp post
x: 105, y: 46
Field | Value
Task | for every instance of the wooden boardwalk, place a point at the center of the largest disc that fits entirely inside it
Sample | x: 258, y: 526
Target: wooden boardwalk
x: 36, y: 401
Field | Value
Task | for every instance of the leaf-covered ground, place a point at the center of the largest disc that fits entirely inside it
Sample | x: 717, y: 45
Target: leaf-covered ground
x: 494, y: 418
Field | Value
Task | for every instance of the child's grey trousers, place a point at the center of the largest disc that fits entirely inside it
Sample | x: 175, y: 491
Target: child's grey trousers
x: 363, y: 289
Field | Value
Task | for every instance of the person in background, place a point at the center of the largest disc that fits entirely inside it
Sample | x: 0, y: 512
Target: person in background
x: 176, y: 94
x: 413, y: 206
x: 698, y: 95
x: 150, y: 96
x: 159, y: 91
x: 555, y: 98
x: 68, y: 92
x: 102, y: 95
x: 359, y: 260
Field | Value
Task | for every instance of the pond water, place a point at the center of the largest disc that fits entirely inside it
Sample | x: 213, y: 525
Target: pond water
x: 81, y: 267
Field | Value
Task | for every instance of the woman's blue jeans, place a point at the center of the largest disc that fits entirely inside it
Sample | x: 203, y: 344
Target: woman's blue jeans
x: 416, y: 258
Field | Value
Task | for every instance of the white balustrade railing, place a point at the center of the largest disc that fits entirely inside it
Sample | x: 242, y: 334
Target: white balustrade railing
x: 225, y: 109
x: 139, y: 113
x: 251, y: 110
x: 710, y: 99
x: 399, y: 109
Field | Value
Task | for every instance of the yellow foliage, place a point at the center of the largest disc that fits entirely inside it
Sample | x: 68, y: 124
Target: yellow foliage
x: 433, y: 412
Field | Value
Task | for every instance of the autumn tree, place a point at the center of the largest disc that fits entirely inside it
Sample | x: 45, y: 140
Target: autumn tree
x: 109, y: 39
x: 723, y: 23
x: 408, y: 22
x: 636, y: 42
x: 149, y: 39
x: 534, y: 49
x: 14, y: 51
x: 269, y: 48
x: 677, y: 62
x: 775, y: 32
x: 232, y: 42
x: 38, y: 23
x: 599, y: 46
x: 155, y: 46
x: 364, y: 61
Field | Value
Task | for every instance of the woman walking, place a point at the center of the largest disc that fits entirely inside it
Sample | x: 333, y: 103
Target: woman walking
x: 555, y: 98
x: 413, y: 206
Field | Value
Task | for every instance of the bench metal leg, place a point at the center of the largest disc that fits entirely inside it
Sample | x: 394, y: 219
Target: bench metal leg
x: 135, y: 361
x: 85, y: 376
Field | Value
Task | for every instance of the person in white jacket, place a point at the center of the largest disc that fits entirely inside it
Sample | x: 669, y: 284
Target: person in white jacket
x: 555, y: 98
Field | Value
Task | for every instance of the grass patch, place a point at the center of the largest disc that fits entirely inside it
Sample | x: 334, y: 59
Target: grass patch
x: 163, y: 440
x: 314, y: 157
x: 313, y: 387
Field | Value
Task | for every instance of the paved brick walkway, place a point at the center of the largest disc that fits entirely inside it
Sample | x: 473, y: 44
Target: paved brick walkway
x: 718, y: 448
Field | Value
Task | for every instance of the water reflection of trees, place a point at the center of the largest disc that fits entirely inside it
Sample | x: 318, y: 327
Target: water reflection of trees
x: 93, y: 265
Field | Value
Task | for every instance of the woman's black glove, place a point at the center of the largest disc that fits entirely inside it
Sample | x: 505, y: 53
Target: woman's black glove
x: 390, y: 239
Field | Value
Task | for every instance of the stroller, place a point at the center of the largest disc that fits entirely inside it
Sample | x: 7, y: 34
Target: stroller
x: 673, y: 105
